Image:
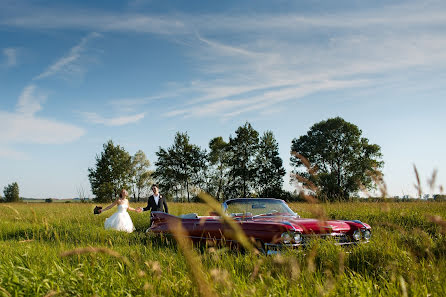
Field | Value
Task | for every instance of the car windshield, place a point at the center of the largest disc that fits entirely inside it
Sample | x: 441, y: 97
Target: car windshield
x: 257, y: 207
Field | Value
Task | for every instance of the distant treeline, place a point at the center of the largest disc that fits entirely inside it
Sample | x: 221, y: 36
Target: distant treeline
x: 331, y: 162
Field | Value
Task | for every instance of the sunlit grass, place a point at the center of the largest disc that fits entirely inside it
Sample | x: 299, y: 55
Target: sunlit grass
x: 62, y: 250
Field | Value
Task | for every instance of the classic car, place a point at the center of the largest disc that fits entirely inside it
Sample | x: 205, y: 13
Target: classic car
x: 267, y: 221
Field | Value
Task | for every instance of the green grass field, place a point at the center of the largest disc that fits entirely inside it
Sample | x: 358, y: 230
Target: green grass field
x: 61, y: 249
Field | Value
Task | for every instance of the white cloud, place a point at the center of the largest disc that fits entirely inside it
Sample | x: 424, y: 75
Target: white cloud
x: 277, y: 62
x: 262, y: 102
x: 23, y: 126
x: 48, y: 18
x: 413, y: 13
x: 255, y: 56
x: 11, y: 56
x: 114, y: 121
x: 67, y: 64
x: 29, y: 102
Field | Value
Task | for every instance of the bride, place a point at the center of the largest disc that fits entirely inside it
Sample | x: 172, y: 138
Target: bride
x: 120, y: 220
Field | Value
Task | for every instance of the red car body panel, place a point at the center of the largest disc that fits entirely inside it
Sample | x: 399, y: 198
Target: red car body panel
x: 266, y: 228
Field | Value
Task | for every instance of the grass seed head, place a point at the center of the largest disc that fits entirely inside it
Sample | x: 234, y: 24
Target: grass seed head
x: 418, y: 184
x: 220, y: 276
x: 90, y: 250
x: 431, y: 181
x: 51, y: 293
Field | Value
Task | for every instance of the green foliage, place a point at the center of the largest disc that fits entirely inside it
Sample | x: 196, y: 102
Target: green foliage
x: 402, y: 259
x: 243, y: 169
x: 218, y: 177
x: 439, y: 197
x: 11, y: 193
x: 113, y: 172
x: 345, y: 161
x: 181, y: 166
x: 246, y: 166
x: 141, y: 175
x: 269, y: 171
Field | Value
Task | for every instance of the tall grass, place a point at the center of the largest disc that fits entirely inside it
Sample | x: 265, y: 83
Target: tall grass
x: 63, y: 250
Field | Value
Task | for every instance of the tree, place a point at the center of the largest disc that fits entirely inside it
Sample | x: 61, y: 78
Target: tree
x: 113, y: 172
x: 11, y: 192
x: 242, y: 151
x: 165, y: 173
x: 270, y: 171
x: 345, y: 161
x: 218, y: 159
x: 82, y: 194
x: 142, y: 176
x: 180, y: 166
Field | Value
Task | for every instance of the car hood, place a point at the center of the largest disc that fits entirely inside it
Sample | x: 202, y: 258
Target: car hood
x: 314, y: 225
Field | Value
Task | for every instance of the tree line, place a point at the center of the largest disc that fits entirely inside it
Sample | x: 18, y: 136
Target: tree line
x: 332, y: 161
x: 246, y: 165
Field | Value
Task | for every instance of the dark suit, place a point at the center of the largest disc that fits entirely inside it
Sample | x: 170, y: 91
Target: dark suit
x: 151, y: 205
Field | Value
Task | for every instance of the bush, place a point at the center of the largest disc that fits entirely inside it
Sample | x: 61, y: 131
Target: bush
x: 49, y: 200
x: 439, y: 197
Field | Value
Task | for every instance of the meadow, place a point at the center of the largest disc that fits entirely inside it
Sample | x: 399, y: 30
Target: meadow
x: 61, y: 249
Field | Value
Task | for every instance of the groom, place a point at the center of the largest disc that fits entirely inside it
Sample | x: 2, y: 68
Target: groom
x: 156, y: 202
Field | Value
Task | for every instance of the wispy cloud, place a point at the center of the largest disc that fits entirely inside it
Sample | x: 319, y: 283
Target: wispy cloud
x: 264, y: 102
x: 66, y: 64
x: 99, y: 21
x: 23, y: 126
x: 130, y: 105
x: 412, y: 13
x: 29, y: 102
x: 264, y: 63
x: 95, y: 118
x: 248, y: 60
x: 11, y: 56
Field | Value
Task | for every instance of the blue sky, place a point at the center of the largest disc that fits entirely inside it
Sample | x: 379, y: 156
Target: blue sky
x: 74, y: 74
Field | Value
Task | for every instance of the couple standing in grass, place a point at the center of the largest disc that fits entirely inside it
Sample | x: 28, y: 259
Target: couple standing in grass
x: 121, y: 220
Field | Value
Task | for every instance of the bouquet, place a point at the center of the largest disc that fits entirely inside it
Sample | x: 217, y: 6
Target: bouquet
x: 97, y: 210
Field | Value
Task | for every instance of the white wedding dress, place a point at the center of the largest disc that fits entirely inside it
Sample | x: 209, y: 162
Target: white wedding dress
x: 120, y: 220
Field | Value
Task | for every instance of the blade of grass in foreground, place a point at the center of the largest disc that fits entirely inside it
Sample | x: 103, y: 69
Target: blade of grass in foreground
x: 194, y: 264
x: 238, y: 232
x: 101, y: 250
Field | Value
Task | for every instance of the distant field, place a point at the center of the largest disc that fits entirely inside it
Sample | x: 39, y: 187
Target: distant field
x: 406, y: 257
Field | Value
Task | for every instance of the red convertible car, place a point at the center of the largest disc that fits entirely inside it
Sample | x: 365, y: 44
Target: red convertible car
x: 270, y: 222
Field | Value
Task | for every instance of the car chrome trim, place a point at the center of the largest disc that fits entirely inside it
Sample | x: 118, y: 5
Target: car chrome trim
x: 359, y: 222
x: 289, y: 224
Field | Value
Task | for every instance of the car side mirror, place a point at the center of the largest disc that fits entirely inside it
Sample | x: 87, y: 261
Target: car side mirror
x: 213, y: 214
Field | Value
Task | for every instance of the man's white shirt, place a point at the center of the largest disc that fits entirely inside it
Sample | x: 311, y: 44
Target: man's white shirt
x: 157, y: 198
